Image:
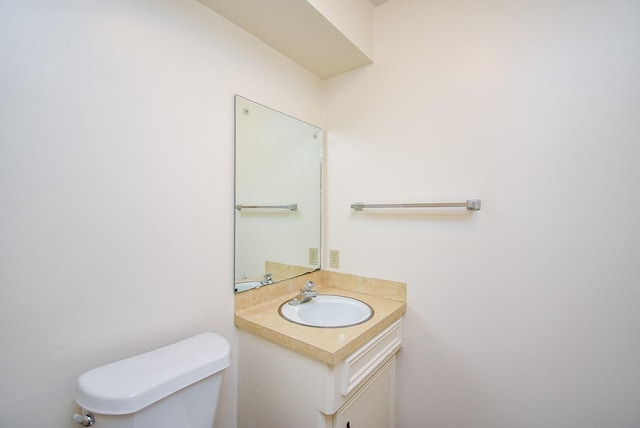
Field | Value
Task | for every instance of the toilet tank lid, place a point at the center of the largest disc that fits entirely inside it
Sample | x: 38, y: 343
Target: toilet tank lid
x: 132, y: 384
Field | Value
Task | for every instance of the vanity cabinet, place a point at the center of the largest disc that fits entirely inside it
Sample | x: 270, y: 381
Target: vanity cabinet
x: 279, y: 387
x: 373, y: 405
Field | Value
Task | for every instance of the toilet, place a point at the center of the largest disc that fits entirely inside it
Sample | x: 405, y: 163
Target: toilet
x: 176, y: 386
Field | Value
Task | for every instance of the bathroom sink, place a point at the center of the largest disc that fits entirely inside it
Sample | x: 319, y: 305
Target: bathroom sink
x: 247, y: 285
x: 327, y: 311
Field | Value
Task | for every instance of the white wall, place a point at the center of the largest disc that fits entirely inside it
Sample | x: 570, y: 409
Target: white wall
x: 116, y: 186
x: 524, y: 314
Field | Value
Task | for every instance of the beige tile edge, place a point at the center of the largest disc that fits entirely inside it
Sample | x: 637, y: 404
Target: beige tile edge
x: 386, y: 289
x: 297, y: 345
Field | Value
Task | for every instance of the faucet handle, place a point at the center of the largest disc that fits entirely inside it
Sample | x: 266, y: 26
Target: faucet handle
x: 309, y: 286
x: 267, y: 279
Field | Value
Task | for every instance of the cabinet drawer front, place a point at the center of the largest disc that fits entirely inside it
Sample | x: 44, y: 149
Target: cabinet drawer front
x: 360, y: 365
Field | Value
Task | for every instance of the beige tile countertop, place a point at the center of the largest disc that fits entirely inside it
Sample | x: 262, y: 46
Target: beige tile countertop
x: 256, y: 311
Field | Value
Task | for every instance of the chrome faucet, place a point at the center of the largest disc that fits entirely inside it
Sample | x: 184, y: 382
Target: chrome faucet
x: 305, y: 295
x: 268, y: 279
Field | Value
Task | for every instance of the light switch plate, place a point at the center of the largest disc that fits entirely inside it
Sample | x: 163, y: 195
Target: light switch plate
x: 334, y: 259
x: 313, y: 256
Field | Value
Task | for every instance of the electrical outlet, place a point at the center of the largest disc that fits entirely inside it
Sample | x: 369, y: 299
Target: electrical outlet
x: 313, y: 256
x: 334, y: 259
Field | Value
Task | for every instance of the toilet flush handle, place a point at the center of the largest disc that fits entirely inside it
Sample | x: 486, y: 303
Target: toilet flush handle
x: 86, y: 420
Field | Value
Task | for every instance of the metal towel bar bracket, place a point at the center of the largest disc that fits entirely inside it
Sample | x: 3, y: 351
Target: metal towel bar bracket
x: 291, y: 207
x: 470, y: 205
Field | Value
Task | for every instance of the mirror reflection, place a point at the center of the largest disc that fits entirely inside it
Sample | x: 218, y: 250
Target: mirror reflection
x: 277, y: 196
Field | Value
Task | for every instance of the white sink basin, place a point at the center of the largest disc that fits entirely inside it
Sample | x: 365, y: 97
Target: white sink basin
x: 327, y: 311
x: 247, y: 285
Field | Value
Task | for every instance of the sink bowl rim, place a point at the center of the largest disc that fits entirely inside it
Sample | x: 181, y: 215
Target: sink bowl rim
x: 371, y: 314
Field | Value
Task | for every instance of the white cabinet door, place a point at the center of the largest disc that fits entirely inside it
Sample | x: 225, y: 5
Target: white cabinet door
x: 373, y: 406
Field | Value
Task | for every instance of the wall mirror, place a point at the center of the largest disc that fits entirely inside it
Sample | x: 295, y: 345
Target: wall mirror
x: 277, y: 195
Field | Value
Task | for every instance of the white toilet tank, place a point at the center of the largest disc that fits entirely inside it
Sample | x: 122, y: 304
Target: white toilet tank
x: 176, y: 386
